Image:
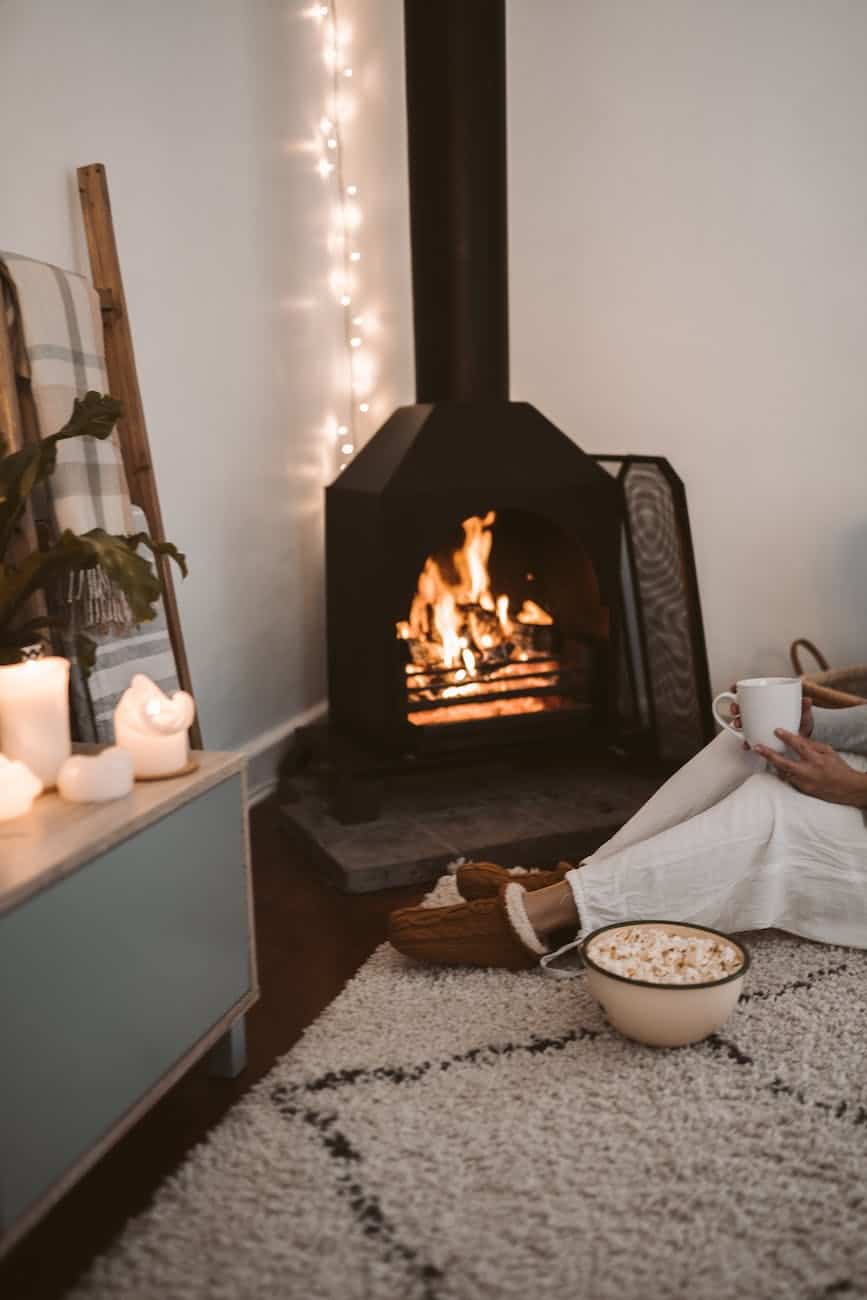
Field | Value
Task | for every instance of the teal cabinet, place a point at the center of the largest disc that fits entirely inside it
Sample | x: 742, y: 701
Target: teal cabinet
x: 114, y: 979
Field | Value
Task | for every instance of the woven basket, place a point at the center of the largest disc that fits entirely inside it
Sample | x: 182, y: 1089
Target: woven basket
x: 830, y: 688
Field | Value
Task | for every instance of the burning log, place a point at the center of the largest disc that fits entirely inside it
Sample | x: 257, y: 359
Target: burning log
x: 532, y: 639
x: 460, y: 638
x: 484, y: 627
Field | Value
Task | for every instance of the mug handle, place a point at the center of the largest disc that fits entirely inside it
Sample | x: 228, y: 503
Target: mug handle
x: 723, y: 722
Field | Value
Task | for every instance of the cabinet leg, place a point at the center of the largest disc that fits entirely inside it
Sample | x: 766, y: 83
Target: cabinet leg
x: 228, y: 1056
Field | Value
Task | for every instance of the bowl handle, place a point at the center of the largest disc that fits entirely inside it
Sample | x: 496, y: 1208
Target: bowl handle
x: 548, y: 969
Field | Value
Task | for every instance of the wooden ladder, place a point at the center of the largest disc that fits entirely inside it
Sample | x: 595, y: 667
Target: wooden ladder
x: 16, y: 410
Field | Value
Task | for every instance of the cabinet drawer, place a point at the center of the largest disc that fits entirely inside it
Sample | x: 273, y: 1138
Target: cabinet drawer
x: 108, y: 978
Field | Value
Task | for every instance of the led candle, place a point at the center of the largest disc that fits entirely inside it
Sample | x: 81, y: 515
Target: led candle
x: 95, y: 778
x: 34, y: 715
x: 153, y: 727
x: 18, y: 788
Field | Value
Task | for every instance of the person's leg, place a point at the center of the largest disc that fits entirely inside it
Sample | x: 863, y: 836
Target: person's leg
x: 764, y: 856
x: 759, y: 856
x: 707, y: 779
x: 714, y: 773
x: 717, y: 770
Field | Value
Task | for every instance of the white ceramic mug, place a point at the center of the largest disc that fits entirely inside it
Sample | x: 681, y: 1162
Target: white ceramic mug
x: 765, y: 703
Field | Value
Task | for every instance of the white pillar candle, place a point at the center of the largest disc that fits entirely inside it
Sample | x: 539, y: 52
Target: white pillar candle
x: 95, y: 778
x: 34, y: 715
x: 18, y: 788
x: 153, y: 727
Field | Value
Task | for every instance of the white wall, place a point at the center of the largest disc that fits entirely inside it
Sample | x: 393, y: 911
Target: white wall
x: 688, y: 194
x: 203, y: 112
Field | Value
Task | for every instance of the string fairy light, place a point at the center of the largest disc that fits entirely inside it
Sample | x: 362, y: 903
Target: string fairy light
x: 346, y: 221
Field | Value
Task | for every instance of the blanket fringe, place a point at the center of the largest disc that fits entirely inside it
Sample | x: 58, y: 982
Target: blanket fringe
x: 98, y: 604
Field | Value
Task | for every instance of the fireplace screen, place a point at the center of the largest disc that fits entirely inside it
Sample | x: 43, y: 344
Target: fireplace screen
x: 505, y: 621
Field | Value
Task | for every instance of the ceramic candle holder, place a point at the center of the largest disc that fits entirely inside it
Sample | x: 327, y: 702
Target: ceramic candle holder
x: 34, y: 715
x: 96, y: 778
x: 18, y: 788
x: 153, y: 727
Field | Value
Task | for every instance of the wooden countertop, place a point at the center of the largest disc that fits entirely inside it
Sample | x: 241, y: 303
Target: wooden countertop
x: 57, y: 837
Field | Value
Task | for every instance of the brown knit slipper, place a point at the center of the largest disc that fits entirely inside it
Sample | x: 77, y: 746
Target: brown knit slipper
x: 484, y: 879
x: 485, y: 932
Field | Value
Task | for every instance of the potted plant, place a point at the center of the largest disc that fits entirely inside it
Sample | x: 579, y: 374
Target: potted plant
x: 93, y: 416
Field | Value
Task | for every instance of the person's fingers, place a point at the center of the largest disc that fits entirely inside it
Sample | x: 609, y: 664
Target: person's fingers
x: 799, y: 744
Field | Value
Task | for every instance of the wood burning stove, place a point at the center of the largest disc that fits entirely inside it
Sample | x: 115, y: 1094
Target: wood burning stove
x: 472, y: 555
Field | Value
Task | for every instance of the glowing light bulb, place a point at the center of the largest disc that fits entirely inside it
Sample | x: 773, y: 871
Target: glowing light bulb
x: 332, y: 143
x: 355, y: 342
x: 347, y: 449
x: 358, y: 320
x: 364, y: 407
x: 347, y: 72
x: 345, y: 300
x: 351, y: 216
x: 324, y: 167
x: 355, y: 257
x: 326, y: 125
x: 352, y: 190
x: 342, y: 430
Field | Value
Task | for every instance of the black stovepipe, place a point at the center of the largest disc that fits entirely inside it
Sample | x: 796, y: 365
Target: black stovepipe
x: 456, y: 113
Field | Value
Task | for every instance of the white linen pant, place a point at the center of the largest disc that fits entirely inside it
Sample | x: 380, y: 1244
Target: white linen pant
x: 727, y: 844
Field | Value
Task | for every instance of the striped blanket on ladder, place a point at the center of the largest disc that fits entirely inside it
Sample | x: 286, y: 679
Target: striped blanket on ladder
x: 56, y: 327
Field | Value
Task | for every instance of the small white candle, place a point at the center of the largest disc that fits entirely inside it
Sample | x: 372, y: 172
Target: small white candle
x: 153, y: 727
x: 95, y: 778
x: 34, y: 715
x: 18, y: 788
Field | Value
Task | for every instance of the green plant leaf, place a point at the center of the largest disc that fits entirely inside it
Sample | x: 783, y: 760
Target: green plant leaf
x: 131, y: 572
x: 159, y: 548
x: 93, y: 415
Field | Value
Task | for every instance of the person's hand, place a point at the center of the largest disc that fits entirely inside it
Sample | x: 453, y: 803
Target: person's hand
x: 806, y: 725
x: 735, y: 713
x: 818, y: 771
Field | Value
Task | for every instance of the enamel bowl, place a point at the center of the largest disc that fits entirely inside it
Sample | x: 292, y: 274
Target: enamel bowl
x: 664, y: 1015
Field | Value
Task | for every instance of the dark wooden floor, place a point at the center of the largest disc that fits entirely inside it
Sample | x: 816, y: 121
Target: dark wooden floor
x: 311, y: 939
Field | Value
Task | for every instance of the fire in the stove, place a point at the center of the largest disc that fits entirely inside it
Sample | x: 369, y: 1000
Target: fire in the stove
x: 463, y: 640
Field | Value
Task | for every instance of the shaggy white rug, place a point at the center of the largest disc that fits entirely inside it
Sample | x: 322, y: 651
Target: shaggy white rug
x: 479, y: 1135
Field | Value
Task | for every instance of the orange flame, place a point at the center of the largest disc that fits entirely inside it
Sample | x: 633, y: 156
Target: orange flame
x: 450, y: 617
x: 532, y: 613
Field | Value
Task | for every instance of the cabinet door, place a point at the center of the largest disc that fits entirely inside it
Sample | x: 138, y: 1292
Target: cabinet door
x: 108, y: 978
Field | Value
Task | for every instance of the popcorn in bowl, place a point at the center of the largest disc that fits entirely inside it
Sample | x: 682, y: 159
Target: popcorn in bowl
x: 664, y: 983
x: 656, y: 956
